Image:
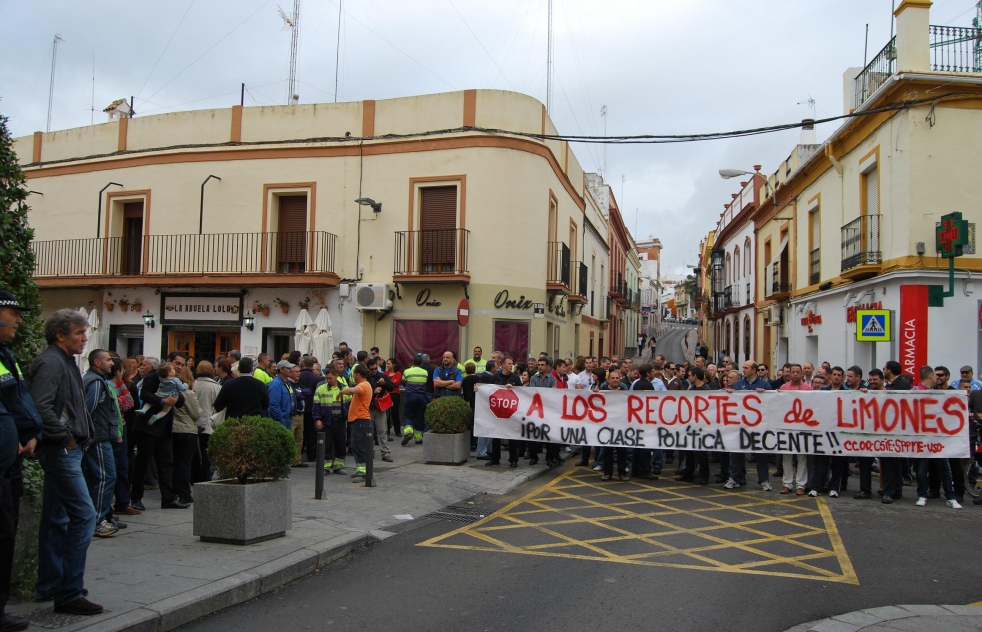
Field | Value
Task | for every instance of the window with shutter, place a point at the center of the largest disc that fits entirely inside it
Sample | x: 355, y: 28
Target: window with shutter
x: 132, y: 238
x: 438, y: 229
x: 292, y: 234
x: 871, y: 233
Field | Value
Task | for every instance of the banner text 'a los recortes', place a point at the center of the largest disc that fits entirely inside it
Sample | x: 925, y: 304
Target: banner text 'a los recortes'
x: 841, y: 423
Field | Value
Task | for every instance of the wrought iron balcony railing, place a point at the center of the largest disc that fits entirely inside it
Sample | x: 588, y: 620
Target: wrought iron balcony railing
x: 225, y: 253
x: 861, y: 242
x: 431, y: 252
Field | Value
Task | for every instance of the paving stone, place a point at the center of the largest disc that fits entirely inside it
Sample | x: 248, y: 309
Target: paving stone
x: 926, y: 610
x: 859, y: 618
x: 187, y: 606
x: 831, y: 625
x: 888, y: 613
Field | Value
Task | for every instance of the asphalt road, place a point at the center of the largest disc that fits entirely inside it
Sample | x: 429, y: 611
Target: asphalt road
x: 670, y: 345
x: 901, y: 555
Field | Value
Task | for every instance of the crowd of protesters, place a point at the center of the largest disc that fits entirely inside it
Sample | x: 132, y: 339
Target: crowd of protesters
x: 125, y: 425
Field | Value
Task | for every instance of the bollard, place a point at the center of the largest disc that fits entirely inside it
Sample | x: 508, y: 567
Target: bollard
x: 319, y: 479
x: 370, y: 456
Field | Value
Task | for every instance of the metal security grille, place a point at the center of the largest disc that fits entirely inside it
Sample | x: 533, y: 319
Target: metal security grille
x: 465, y: 515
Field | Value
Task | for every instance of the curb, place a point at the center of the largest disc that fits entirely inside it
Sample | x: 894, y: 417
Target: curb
x: 173, y: 612
x: 855, y: 621
x: 178, y: 610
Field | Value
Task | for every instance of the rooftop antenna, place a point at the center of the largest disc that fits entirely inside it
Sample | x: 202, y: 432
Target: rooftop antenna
x: 337, y: 52
x: 92, y: 107
x: 291, y: 22
x: 549, y: 65
x: 603, y: 115
x: 51, y: 88
x: 810, y: 102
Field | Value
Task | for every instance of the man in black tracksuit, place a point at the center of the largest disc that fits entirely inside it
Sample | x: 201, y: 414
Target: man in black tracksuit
x: 155, y: 440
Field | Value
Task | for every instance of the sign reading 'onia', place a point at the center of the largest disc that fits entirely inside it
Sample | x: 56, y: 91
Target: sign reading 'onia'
x: 198, y: 307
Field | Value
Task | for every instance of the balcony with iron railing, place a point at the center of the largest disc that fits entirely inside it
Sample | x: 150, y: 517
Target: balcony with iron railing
x: 780, y: 287
x: 578, y: 277
x: 861, y: 255
x: 814, y: 267
x: 431, y: 256
x: 731, y: 296
x: 558, y: 267
x: 953, y: 49
x: 292, y: 258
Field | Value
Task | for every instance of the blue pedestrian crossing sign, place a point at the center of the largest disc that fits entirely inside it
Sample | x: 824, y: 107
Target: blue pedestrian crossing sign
x: 873, y: 325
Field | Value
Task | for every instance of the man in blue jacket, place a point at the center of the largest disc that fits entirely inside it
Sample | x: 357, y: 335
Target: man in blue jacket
x: 750, y: 381
x: 283, y: 402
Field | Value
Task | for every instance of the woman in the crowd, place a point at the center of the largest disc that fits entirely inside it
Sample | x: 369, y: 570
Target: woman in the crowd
x: 206, y: 387
x: 394, y: 372
x: 223, y: 369
x: 185, y: 439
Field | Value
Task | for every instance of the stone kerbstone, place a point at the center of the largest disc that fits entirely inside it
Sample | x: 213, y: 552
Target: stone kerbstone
x: 232, y: 513
x: 446, y: 449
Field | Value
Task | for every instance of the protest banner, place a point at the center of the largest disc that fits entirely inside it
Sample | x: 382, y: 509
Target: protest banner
x: 849, y: 423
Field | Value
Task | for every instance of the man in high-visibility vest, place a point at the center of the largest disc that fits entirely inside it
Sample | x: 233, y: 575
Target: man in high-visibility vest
x: 479, y: 362
x: 328, y: 415
x: 20, y: 427
x: 415, y: 378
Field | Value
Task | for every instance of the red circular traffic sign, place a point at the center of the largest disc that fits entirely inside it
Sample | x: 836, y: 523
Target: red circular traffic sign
x: 463, y: 312
x: 504, y: 403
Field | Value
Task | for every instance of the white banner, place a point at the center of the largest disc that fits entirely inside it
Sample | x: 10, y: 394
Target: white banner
x: 843, y: 423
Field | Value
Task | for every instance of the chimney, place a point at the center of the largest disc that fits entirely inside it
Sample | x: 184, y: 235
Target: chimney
x: 808, y: 132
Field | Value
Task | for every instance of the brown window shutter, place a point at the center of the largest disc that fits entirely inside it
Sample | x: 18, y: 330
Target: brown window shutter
x: 438, y: 228
x: 292, y: 238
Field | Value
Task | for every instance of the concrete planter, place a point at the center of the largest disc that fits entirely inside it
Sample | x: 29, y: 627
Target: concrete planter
x: 229, y: 512
x: 445, y: 449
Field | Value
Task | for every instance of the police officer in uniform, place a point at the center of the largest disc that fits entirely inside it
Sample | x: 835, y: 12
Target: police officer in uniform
x: 20, y: 427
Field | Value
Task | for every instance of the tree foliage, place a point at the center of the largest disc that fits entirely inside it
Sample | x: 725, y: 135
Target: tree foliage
x: 16, y: 256
x: 252, y: 447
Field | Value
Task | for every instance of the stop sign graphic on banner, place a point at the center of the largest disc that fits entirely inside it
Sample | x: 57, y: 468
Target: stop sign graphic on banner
x: 503, y: 403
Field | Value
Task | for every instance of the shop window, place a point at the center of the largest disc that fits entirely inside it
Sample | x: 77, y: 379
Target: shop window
x: 512, y: 337
x: 432, y: 337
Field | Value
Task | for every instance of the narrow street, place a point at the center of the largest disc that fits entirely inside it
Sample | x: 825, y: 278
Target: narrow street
x: 672, y: 346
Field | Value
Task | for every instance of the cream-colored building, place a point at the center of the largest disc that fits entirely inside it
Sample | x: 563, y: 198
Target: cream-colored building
x: 857, y: 216
x: 207, y: 216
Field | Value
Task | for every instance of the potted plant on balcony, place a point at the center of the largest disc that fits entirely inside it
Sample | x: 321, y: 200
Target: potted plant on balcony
x: 447, y: 441
x: 109, y: 303
x: 284, y: 305
x: 123, y: 304
x: 260, y: 308
x: 304, y: 302
x: 252, y: 501
x: 137, y: 305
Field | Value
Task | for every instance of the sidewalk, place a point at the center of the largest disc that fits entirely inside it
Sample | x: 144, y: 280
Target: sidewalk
x: 155, y: 575
x: 894, y: 618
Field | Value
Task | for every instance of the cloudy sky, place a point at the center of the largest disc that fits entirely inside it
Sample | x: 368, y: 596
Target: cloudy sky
x: 659, y: 66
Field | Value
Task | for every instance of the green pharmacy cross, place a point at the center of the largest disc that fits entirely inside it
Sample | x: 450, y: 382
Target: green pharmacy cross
x: 950, y: 238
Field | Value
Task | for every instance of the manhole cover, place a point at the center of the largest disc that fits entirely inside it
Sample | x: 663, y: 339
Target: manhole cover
x: 48, y: 618
x: 459, y: 514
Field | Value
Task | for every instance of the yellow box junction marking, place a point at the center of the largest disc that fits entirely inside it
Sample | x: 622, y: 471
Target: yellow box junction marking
x: 676, y: 525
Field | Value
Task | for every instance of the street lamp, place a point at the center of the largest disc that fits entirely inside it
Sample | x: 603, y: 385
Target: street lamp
x: 148, y: 319
x: 249, y: 322
x: 376, y: 206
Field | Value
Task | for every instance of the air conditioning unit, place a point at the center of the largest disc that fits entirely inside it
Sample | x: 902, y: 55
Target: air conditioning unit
x: 774, y: 313
x: 372, y: 297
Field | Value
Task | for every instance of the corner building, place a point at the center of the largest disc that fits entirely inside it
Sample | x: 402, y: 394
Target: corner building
x: 206, y: 217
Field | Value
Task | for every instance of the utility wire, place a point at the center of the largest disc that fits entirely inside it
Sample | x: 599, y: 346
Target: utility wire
x: 476, y: 38
x: 165, y: 48
x: 210, y: 48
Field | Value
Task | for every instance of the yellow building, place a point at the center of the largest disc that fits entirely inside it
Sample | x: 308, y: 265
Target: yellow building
x: 212, y: 218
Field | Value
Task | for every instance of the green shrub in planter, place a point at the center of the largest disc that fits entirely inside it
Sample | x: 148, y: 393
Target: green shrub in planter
x: 448, y: 415
x: 252, y: 447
